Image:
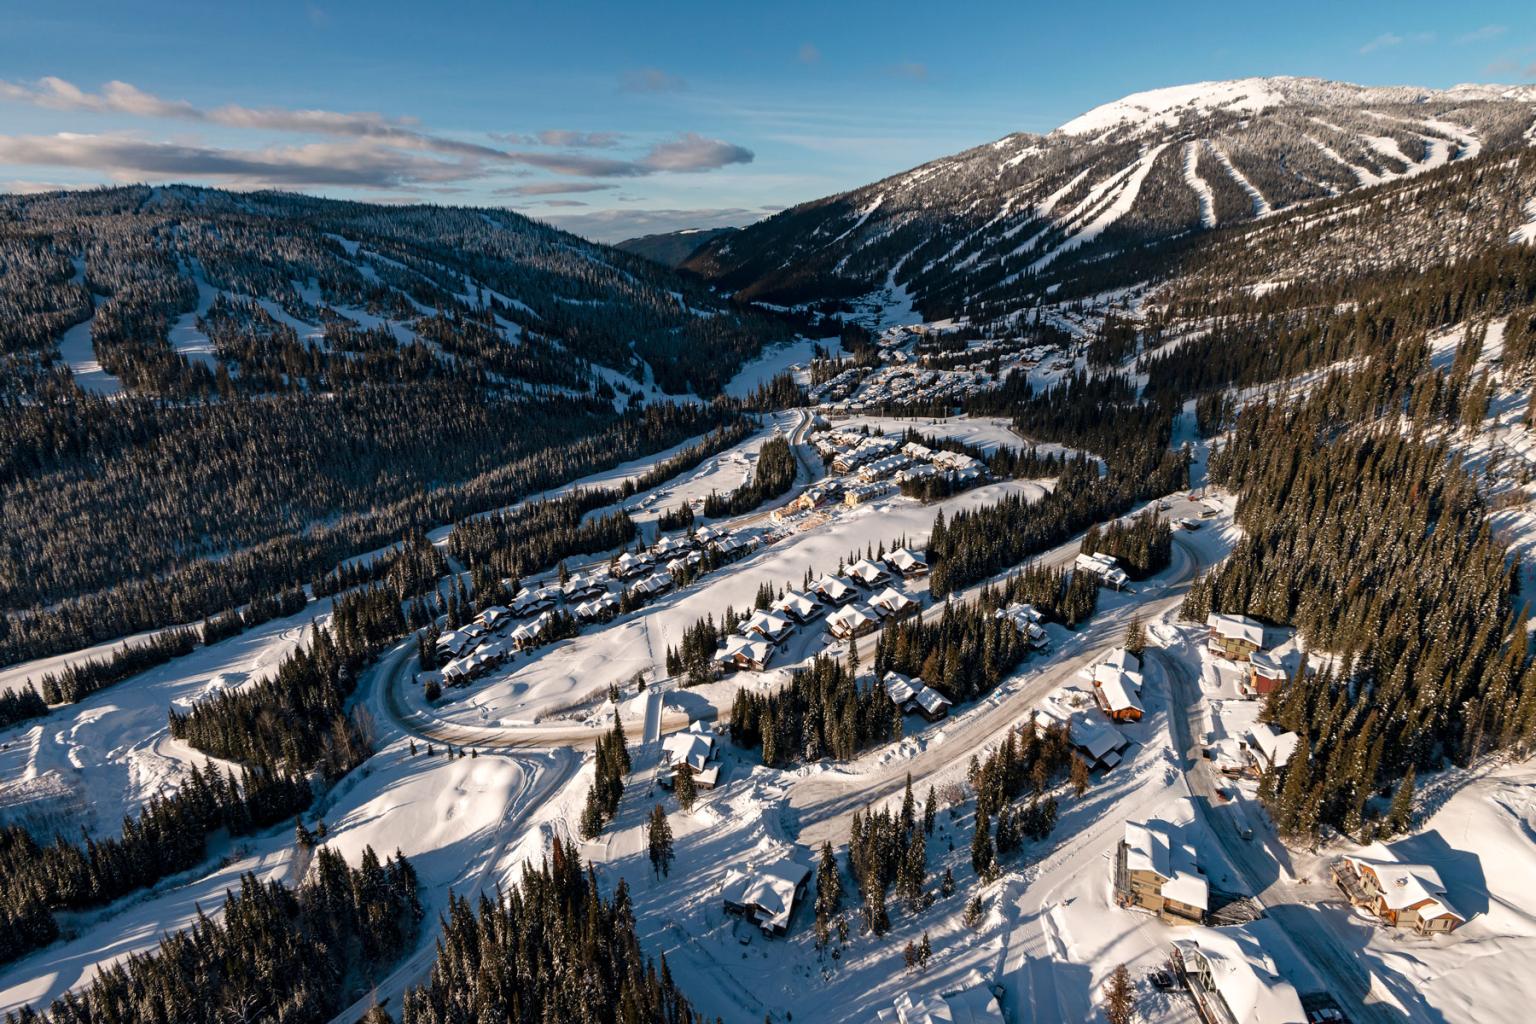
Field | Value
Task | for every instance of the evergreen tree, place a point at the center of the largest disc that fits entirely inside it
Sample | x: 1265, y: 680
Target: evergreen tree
x: 658, y: 838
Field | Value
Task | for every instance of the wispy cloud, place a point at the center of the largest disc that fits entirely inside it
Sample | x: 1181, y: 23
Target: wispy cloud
x: 1482, y: 35
x: 1390, y: 40
x: 552, y: 188
x: 369, y: 149
x: 652, y: 80
x: 125, y: 158
x: 809, y: 54
x: 578, y: 140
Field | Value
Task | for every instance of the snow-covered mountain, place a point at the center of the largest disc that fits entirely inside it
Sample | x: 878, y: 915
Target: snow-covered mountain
x: 993, y: 226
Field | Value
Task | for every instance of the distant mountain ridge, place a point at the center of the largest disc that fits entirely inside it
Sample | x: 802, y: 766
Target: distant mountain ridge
x: 671, y: 248
x: 1004, y: 224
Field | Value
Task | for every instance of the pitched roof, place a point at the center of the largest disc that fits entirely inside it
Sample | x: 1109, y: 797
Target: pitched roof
x: 1277, y: 747
x: 1409, y: 885
x: 1244, y: 975
x: 1236, y: 627
x: 1157, y: 846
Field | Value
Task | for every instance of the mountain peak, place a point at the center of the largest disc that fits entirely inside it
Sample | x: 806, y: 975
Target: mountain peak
x: 1167, y: 106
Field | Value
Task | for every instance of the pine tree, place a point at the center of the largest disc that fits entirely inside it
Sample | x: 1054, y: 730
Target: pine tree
x: 829, y: 888
x: 930, y: 808
x: 1080, y: 778
x: 1400, y: 815
x: 658, y: 837
x: 1135, y: 636
x: 1120, y: 997
x: 981, y: 844
x: 684, y: 786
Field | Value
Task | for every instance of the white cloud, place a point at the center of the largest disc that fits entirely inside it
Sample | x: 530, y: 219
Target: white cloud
x: 1389, y: 40
x: 1482, y: 35
x: 652, y: 80
x: 693, y: 152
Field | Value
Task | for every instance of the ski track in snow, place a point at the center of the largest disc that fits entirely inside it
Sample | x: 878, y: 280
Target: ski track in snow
x: 1261, y: 207
x: 1119, y: 204
x: 1202, y: 190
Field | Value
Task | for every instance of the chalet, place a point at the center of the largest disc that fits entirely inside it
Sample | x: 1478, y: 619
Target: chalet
x: 867, y: 573
x: 913, y: 696
x: 850, y: 622
x: 742, y: 652
x: 455, y: 642
x: 1099, y: 742
x: 975, y: 1004
x: 704, y: 535
x: 667, y: 547
x: 1234, y: 637
x: 598, y: 609
x: 913, y: 450
x: 1401, y: 895
x: 1117, y: 686
x: 733, y: 545
x: 1232, y: 979
x: 917, y: 471
x: 531, y: 602
x: 654, y: 584
x: 629, y: 564
x: 693, y: 750
x: 1268, y: 749
x: 882, y: 467
x: 1105, y: 567
x: 1027, y: 622
x: 834, y: 590
x: 891, y: 603
x: 683, y: 563
x: 1266, y: 673
x: 531, y: 634
x: 580, y: 587
x: 769, y: 626
x: 858, y: 494
x: 906, y: 562
x: 766, y: 894
x: 494, y: 616
x: 800, y: 607
x: 1156, y: 870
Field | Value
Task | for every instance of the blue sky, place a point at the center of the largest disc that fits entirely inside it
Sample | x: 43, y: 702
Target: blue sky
x: 618, y: 119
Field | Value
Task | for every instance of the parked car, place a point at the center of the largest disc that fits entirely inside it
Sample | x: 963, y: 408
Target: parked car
x: 1246, y: 833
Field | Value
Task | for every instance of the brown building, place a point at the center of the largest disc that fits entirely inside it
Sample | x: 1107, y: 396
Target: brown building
x: 1401, y: 895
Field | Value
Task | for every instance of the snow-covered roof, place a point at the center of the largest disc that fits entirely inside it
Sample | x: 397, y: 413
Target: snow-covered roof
x: 1156, y: 846
x: 796, y: 603
x: 1267, y: 665
x: 1277, y: 747
x: 866, y: 571
x: 899, y: 688
x: 904, y: 560
x: 850, y: 619
x: 1236, y: 627
x: 752, y: 648
x: 1118, y: 688
x: 834, y: 586
x: 1244, y: 975
x: 769, y: 888
x: 1408, y: 885
x: 769, y: 624
x: 932, y: 701
x: 689, y: 747
x: 892, y: 600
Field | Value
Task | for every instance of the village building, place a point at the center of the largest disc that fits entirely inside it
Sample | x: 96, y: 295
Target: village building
x: 1157, y: 871
x: 913, y: 696
x: 1028, y: 623
x: 1268, y: 748
x: 974, y: 1004
x: 795, y: 605
x: 531, y: 634
x: 1101, y: 745
x: 494, y: 616
x: 858, y: 494
x: 742, y: 652
x: 852, y: 621
x: 867, y: 573
x: 1105, y: 567
x: 694, y: 750
x: 1266, y: 674
x: 1233, y: 981
x: 1234, y: 637
x: 906, y: 562
x: 891, y: 603
x: 834, y: 590
x: 882, y: 467
x: 767, y: 893
x: 598, y: 609
x: 1117, y: 685
x: 1401, y: 895
x: 769, y: 626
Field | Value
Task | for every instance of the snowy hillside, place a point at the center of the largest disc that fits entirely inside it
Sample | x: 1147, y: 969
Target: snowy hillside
x: 985, y: 230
